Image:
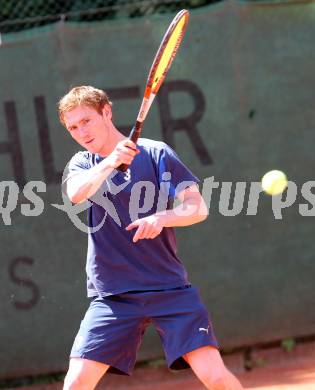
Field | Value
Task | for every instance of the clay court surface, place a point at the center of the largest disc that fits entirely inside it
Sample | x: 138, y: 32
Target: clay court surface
x: 274, y: 369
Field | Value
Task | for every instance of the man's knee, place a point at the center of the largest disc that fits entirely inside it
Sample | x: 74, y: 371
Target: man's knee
x: 74, y: 382
x: 84, y: 374
x: 77, y: 381
x: 215, y: 383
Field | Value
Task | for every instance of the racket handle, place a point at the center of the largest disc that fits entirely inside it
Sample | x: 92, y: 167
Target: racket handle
x: 133, y: 136
x: 122, y: 167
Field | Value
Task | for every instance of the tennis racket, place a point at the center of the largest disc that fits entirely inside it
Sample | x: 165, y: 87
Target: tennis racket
x: 161, y: 64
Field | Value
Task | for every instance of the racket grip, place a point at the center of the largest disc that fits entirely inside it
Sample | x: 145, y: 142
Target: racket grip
x: 122, y: 167
x: 135, y: 132
x: 133, y: 136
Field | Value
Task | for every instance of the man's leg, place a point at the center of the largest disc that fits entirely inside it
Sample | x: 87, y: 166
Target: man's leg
x: 84, y: 374
x: 209, y: 368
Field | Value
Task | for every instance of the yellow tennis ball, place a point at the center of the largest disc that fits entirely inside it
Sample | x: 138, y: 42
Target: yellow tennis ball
x: 274, y: 182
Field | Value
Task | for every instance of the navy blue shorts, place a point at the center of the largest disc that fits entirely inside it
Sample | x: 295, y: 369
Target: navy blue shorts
x: 112, y: 328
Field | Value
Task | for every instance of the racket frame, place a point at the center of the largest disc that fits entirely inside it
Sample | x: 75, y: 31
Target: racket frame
x: 149, y: 93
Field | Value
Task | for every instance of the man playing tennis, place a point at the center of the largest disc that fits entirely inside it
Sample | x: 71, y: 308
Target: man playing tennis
x: 134, y: 277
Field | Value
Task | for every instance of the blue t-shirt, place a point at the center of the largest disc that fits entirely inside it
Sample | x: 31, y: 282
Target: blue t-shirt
x: 114, y: 263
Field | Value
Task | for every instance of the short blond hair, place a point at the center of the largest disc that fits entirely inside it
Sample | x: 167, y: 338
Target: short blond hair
x: 82, y: 95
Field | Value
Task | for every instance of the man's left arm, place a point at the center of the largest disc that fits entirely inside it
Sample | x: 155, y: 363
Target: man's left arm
x: 192, y: 209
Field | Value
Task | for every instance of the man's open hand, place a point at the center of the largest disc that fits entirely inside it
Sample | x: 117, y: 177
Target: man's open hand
x: 148, y: 227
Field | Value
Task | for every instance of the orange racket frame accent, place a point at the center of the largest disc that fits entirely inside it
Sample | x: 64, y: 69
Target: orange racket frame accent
x: 176, y: 30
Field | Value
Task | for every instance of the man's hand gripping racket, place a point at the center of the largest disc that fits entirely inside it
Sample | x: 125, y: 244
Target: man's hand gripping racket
x: 161, y: 64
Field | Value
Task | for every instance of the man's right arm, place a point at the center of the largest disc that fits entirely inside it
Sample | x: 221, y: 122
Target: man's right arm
x: 83, y: 185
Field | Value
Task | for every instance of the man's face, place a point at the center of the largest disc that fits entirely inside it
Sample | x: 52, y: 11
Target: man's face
x: 89, y: 128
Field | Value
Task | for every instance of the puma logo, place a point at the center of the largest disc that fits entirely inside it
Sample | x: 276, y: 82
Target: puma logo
x: 204, y: 329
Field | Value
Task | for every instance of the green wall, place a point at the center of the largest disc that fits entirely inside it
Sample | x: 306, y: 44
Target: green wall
x: 238, y: 102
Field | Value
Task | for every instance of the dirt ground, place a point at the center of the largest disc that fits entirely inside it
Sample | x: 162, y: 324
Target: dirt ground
x: 272, y: 369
